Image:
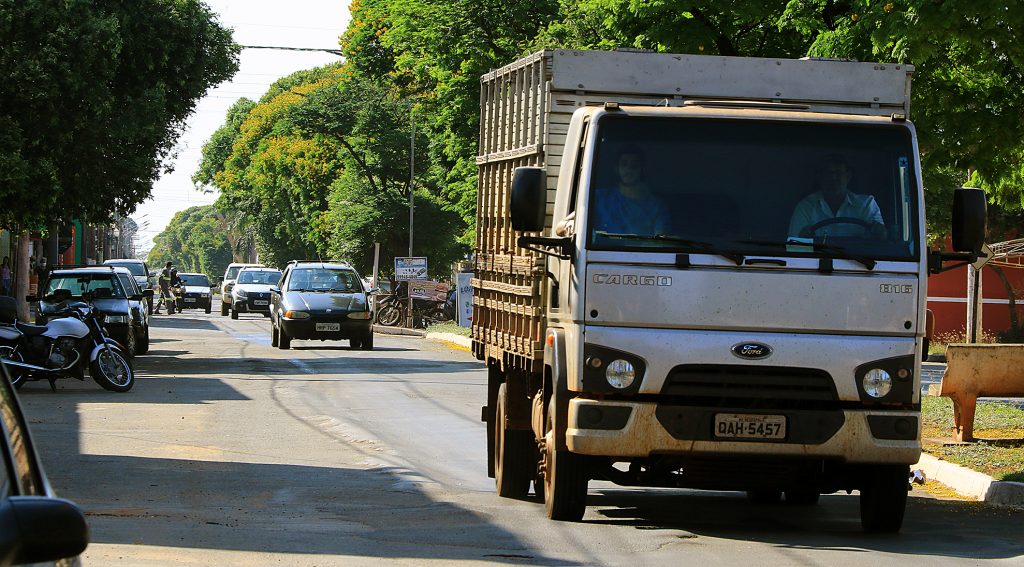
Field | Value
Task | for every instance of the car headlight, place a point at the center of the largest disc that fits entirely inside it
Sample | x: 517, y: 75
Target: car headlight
x: 296, y: 315
x: 116, y: 319
x: 241, y: 293
x: 359, y: 315
x: 877, y: 383
x: 620, y: 374
x: 206, y: 295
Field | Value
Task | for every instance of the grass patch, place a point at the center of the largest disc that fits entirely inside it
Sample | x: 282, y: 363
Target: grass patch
x: 449, y: 327
x: 1002, y: 460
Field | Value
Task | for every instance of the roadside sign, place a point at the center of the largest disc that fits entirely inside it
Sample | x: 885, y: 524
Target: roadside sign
x: 984, y: 257
x: 465, y: 298
x: 429, y: 290
x: 410, y: 268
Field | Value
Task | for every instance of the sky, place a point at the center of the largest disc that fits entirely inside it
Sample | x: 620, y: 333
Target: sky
x: 297, y: 23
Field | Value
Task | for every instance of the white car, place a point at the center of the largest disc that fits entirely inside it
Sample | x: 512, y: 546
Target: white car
x: 251, y: 292
x: 228, y: 282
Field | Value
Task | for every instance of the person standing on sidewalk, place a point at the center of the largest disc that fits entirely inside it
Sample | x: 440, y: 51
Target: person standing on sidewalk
x: 5, y: 277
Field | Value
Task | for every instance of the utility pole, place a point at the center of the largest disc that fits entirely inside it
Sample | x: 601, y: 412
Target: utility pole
x: 410, y: 322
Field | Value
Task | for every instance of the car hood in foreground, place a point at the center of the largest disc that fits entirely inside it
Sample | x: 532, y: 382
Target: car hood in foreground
x: 320, y: 302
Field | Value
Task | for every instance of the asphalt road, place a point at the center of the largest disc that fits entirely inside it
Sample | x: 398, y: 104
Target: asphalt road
x: 230, y: 452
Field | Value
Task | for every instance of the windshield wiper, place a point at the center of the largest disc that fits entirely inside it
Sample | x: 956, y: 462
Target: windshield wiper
x: 829, y: 250
x: 700, y: 245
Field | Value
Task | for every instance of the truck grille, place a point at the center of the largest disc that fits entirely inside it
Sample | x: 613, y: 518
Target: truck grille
x: 747, y: 386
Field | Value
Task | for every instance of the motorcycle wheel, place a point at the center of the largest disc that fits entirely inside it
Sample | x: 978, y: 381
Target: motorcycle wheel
x: 389, y: 316
x: 112, y: 371
x: 17, y: 374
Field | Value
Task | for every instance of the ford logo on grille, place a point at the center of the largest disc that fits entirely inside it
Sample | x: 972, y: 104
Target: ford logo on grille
x: 752, y: 351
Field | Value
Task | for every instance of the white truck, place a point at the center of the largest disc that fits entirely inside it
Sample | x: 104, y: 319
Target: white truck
x: 704, y: 272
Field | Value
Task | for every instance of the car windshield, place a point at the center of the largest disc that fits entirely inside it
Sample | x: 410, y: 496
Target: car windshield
x: 128, y: 283
x: 268, y: 277
x: 753, y: 187
x: 80, y: 283
x: 324, y: 279
x: 136, y: 268
x: 198, y: 280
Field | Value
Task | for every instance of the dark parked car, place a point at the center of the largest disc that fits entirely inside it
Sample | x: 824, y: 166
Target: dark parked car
x: 140, y: 271
x: 115, y: 301
x: 195, y: 292
x: 321, y: 300
x: 251, y: 292
x: 38, y: 527
x: 139, y: 309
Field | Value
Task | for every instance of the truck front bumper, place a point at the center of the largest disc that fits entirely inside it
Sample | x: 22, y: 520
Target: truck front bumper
x: 638, y: 429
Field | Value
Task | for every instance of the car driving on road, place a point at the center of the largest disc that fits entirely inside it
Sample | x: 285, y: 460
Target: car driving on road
x: 228, y: 282
x: 195, y: 292
x: 251, y: 292
x: 321, y: 301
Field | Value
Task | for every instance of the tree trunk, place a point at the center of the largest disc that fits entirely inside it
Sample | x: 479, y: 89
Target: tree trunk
x: 21, y: 277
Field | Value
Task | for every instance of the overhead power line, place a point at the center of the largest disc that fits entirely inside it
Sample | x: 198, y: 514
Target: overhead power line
x: 337, y: 52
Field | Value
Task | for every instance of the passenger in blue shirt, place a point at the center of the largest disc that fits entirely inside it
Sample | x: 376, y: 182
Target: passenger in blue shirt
x: 628, y: 206
x: 833, y: 200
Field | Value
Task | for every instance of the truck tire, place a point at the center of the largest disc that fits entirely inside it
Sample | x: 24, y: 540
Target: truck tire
x: 513, y: 470
x: 565, y: 480
x: 883, y: 498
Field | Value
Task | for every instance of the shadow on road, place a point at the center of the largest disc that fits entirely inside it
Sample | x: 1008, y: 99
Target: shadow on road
x: 379, y: 512
x: 983, y: 531
x: 180, y: 322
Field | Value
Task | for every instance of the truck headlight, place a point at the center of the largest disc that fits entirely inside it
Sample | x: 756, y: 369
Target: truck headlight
x: 877, y: 383
x: 620, y: 374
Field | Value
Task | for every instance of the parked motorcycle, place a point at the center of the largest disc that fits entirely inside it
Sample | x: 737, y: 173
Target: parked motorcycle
x: 71, y: 341
x: 392, y: 309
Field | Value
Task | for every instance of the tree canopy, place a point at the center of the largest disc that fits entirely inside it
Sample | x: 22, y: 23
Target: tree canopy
x: 195, y: 241
x: 320, y: 165
x: 93, y: 98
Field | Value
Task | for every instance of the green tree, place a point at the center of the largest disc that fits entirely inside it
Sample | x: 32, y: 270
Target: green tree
x: 93, y: 98
x: 194, y: 241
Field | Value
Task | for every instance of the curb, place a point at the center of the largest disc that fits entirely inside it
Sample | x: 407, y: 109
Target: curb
x: 464, y: 343
x: 970, y: 483
x: 398, y: 331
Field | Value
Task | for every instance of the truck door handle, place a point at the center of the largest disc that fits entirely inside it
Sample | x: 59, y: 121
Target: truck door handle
x: 770, y: 261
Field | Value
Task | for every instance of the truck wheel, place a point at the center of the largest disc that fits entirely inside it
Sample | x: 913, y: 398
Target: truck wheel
x: 512, y: 470
x: 883, y: 498
x: 802, y: 497
x: 223, y: 308
x: 565, y: 480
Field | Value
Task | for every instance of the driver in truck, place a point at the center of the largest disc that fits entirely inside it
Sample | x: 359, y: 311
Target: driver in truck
x: 833, y: 210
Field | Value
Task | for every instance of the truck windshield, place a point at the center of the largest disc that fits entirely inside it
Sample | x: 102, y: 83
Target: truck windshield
x: 754, y: 187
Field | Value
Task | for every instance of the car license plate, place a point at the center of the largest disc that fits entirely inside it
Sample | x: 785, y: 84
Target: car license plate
x: 328, y: 326
x: 260, y: 302
x: 750, y: 426
x: 190, y: 300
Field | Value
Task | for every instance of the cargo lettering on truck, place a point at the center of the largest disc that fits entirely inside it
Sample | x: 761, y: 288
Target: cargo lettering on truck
x: 632, y: 279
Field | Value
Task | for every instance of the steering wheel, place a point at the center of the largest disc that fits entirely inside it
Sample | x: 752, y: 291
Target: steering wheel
x: 808, y: 231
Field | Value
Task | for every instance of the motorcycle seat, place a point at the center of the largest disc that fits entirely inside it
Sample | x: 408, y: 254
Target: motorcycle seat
x: 31, y: 330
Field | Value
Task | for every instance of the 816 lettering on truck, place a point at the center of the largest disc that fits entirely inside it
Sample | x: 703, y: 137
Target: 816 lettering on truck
x: 703, y: 272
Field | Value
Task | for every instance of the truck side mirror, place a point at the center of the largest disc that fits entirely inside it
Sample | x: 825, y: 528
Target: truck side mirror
x: 969, y: 219
x: 529, y: 199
